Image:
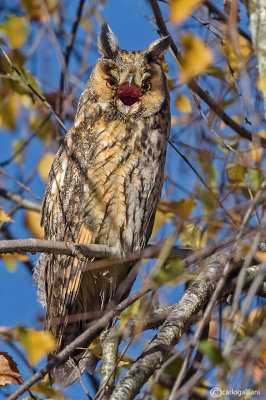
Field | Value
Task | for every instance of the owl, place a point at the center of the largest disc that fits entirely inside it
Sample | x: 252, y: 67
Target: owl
x: 103, y: 188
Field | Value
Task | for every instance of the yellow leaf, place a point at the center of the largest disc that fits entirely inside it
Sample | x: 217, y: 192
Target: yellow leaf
x: 4, y: 217
x: 164, y: 65
x: 11, y: 260
x: 235, y: 61
x: 16, y: 29
x: 262, y: 134
x: 262, y: 82
x: 45, y: 164
x: 122, y: 363
x: 256, y: 152
x: 183, y: 104
x: 181, y: 208
x: 33, y: 222
x: 160, y: 219
x: 36, y: 343
x: 181, y: 8
x: 197, y: 57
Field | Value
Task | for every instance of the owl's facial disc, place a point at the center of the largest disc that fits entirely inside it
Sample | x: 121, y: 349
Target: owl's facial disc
x: 128, y: 98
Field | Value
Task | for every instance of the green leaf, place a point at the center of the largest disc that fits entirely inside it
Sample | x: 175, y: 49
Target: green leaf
x: 170, y: 272
x: 44, y: 128
x: 234, y: 144
x: 174, y: 368
x: 27, y: 75
x: 215, y: 72
x: 8, y: 110
x: 256, y: 177
x: 209, y: 349
x: 236, y: 172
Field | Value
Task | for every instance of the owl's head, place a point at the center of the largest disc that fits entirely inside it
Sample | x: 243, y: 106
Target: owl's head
x: 129, y: 82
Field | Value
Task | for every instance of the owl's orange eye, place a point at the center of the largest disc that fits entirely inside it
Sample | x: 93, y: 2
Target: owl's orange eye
x: 146, y: 86
x: 110, y: 83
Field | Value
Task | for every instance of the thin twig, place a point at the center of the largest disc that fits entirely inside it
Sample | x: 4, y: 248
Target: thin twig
x: 68, y: 53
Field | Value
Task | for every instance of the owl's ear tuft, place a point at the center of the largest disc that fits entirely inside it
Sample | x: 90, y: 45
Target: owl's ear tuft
x: 157, y: 49
x: 107, y: 42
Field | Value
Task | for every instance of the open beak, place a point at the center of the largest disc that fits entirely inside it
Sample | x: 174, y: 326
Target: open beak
x: 128, y: 94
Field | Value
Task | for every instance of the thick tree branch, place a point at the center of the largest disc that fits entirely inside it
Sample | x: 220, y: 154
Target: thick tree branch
x: 55, y: 247
x: 109, y: 360
x: 193, y: 84
x: 76, y: 249
x: 80, y: 341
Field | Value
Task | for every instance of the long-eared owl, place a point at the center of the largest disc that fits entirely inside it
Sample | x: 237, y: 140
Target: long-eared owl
x: 104, y: 187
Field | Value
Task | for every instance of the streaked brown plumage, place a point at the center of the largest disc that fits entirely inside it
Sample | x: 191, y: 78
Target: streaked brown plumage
x: 104, y: 186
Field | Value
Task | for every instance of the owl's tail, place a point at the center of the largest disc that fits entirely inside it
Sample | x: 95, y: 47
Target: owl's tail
x: 71, y: 370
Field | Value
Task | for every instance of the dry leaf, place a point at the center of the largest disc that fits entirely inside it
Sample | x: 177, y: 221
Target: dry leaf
x: 9, y: 372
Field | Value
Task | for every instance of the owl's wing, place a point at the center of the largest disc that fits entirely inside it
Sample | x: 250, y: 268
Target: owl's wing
x: 62, y: 218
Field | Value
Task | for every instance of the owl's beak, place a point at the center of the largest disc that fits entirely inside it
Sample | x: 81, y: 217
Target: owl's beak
x: 130, y: 80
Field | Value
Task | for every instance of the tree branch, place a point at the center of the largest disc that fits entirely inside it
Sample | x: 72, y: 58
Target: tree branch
x: 20, y: 200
